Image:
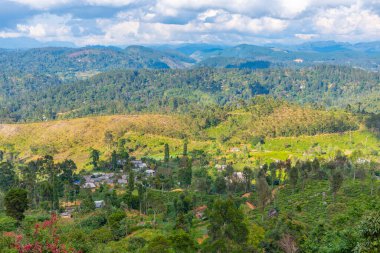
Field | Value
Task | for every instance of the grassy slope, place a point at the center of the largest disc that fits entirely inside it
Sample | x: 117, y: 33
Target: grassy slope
x: 73, y: 138
x: 147, y: 134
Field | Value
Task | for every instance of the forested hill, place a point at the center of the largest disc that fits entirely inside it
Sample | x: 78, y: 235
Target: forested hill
x: 42, y: 97
x: 70, y: 61
x: 85, y: 61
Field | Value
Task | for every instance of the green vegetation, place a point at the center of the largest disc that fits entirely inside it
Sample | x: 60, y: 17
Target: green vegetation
x: 191, y: 160
x: 40, y: 97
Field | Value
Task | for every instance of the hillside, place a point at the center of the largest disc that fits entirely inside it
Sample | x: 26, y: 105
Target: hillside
x: 41, y: 97
x: 74, y: 138
x: 238, y: 131
x: 68, y: 62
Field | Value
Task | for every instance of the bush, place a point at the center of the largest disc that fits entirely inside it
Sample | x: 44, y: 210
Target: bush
x: 7, y: 224
x: 94, y: 221
x: 136, y: 243
x: 101, y: 235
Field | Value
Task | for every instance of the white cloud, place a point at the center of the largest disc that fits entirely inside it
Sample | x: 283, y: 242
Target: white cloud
x: 351, y: 21
x: 110, y: 2
x: 47, y: 27
x: 217, y: 21
x: 9, y: 34
x: 43, y: 4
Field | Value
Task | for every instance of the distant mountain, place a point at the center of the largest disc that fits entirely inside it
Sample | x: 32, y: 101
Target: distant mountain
x: 69, y: 61
x: 26, y: 43
x: 95, y: 59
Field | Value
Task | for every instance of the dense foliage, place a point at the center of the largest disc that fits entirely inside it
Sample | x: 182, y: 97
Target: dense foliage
x: 40, y: 97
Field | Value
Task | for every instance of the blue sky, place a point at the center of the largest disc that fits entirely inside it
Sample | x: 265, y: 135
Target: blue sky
x: 126, y: 22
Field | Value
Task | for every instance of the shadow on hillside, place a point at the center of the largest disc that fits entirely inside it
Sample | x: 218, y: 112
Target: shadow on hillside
x: 373, y: 124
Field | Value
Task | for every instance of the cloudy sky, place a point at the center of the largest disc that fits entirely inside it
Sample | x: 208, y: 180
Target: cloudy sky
x: 125, y: 22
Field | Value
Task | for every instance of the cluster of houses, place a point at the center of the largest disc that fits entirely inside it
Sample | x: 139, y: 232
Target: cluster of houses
x: 237, y: 174
x: 95, y: 179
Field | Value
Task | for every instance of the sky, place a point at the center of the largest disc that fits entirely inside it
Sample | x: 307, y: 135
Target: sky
x: 127, y: 22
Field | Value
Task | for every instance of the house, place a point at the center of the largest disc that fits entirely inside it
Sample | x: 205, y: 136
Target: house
x: 220, y: 167
x: 150, y: 173
x: 89, y: 186
x: 298, y: 60
x: 99, y: 203
x: 138, y: 164
x: 239, y: 176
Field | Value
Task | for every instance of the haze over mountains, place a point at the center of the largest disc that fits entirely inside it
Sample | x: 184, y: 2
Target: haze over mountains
x: 100, y: 58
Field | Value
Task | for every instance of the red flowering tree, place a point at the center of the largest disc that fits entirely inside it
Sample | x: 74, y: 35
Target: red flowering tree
x: 45, y: 239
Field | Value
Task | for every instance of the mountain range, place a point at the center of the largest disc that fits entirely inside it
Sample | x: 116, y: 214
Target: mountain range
x: 68, y: 60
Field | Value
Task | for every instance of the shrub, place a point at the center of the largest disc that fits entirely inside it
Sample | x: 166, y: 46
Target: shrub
x: 136, y: 243
x: 94, y: 221
x: 7, y: 224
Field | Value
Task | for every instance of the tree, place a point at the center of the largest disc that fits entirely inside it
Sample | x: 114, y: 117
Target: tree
x: 94, y: 156
x: 263, y: 192
x: 182, y: 242
x: 373, y: 165
x: 227, y: 227
x: 114, y: 160
x: 88, y: 204
x: 108, y: 139
x: 185, y: 172
x: 336, y: 182
x: 16, y: 202
x: 131, y: 181
x: 121, y: 148
x: 247, y: 174
x: 293, y: 177
x: 185, y: 148
x: 369, y: 233
x: 220, y: 185
x: 7, y: 176
x: 158, y: 244
x: 68, y: 168
x: 1, y: 155
x: 273, y: 170
x: 167, y: 154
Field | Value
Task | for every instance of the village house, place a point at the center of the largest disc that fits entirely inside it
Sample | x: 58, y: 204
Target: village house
x: 89, y: 185
x: 138, y: 164
x: 220, y: 167
x: 239, y: 176
x: 99, y: 203
x: 123, y: 180
x: 150, y: 173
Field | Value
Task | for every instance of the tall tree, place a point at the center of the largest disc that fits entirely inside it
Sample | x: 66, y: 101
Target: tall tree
x: 114, y: 160
x: 220, y: 185
x: 94, y: 158
x: 185, y: 172
x: 184, y: 153
x: 131, y: 181
x: 263, y: 192
x: 7, y: 176
x: 227, y: 229
x: 293, y: 177
x: 247, y: 174
x: 166, y: 153
x: 16, y: 202
x: 336, y: 182
x: 108, y: 139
